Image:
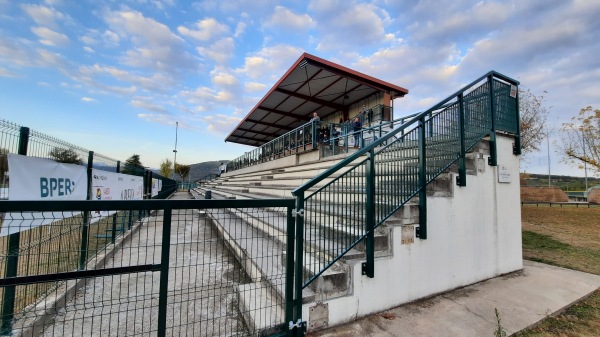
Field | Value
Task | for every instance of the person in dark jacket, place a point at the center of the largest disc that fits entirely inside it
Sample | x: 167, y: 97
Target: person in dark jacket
x: 356, y: 127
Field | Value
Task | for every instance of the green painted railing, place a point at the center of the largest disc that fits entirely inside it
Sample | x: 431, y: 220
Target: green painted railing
x: 342, y: 206
x: 313, y: 134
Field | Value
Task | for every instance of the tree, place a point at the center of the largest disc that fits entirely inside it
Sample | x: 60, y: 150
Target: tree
x: 581, y: 139
x: 533, y: 120
x: 3, y: 163
x: 68, y: 156
x: 133, y: 166
x: 182, y: 170
x: 166, y: 168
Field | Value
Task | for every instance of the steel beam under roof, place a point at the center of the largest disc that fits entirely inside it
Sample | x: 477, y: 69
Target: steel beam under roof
x: 311, y: 84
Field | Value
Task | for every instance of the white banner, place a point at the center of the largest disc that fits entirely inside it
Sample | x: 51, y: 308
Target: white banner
x: 156, y: 186
x: 114, y: 186
x: 41, y: 179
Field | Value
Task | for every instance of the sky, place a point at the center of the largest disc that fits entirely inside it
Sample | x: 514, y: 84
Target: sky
x: 115, y: 76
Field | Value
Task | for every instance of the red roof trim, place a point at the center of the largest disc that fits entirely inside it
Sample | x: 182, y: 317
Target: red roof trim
x: 360, y: 77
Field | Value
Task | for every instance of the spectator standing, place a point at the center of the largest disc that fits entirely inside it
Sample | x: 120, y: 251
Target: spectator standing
x: 356, y: 127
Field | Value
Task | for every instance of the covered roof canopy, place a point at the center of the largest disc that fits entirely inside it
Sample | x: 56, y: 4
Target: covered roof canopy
x: 311, y: 84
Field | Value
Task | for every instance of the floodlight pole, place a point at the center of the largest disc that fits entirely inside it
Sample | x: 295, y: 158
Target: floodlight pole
x: 548, y: 142
x: 584, y: 162
x: 175, y: 151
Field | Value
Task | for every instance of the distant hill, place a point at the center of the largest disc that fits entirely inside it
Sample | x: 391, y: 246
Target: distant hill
x: 566, y: 183
x: 201, y: 170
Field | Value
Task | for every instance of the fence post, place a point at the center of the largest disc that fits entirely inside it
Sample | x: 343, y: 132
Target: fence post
x: 289, y: 268
x: 493, y: 160
x: 461, y: 179
x: 421, y: 231
x: 164, y: 274
x: 86, y: 215
x: 298, y: 273
x: 517, y: 147
x: 12, y: 256
x: 369, y: 266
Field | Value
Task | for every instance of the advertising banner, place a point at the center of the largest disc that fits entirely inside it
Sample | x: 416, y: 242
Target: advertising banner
x: 156, y: 186
x: 41, y: 179
x: 114, y: 186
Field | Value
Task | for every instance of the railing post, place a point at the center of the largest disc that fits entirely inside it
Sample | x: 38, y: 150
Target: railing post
x: 83, y: 251
x: 369, y: 267
x: 314, y: 134
x: 164, y: 273
x: 461, y: 179
x: 290, y: 268
x: 421, y: 231
x: 12, y: 256
x: 298, y: 272
x: 517, y: 147
x: 493, y: 160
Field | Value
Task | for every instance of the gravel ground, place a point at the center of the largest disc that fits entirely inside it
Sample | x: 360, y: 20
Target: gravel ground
x: 201, y: 294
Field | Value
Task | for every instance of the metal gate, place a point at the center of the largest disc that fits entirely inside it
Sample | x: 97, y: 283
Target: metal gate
x: 174, y: 268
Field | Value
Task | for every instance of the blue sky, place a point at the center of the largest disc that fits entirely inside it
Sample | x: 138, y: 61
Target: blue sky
x: 115, y: 76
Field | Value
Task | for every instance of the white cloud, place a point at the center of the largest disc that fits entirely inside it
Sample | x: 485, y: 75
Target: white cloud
x: 221, y: 124
x: 88, y: 100
x: 7, y: 73
x: 145, y: 103
x: 164, y: 119
x: 89, y: 49
x: 269, y: 63
x: 206, y: 95
x: 206, y: 29
x: 254, y: 86
x: 42, y: 15
x: 225, y: 79
x: 284, y: 18
x: 239, y: 29
x: 110, y: 37
x: 155, y: 46
x: 221, y: 51
x: 157, y: 82
x: 349, y: 24
x: 49, y: 37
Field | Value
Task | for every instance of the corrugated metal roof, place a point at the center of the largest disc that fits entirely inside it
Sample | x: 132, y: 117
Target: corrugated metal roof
x: 311, y: 84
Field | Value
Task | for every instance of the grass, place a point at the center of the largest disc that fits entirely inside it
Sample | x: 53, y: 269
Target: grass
x: 53, y: 248
x: 567, y: 237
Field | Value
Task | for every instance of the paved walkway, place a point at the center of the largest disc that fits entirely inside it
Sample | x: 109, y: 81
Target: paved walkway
x: 201, y: 296
x: 522, y: 298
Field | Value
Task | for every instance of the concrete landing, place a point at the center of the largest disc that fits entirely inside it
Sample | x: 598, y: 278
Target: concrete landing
x: 523, y: 298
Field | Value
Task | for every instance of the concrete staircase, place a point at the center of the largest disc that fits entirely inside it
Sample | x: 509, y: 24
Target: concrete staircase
x: 262, y: 301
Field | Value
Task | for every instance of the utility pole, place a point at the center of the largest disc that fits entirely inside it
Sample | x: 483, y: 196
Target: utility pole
x: 584, y: 163
x: 175, y: 151
x: 548, y: 142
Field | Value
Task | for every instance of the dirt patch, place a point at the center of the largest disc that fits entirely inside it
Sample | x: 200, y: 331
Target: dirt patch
x: 594, y: 196
x: 543, y: 194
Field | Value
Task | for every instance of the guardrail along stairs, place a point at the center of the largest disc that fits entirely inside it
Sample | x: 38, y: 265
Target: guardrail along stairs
x: 346, y: 207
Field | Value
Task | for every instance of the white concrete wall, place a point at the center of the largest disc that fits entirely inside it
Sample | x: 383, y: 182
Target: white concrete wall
x: 472, y: 236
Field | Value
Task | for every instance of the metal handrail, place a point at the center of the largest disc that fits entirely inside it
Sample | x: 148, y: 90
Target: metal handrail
x: 401, y: 128
x: 403, y: 151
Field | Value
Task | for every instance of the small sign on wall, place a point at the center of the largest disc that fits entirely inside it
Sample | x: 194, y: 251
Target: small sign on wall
x: 513, y: 91
x: 503, y: 174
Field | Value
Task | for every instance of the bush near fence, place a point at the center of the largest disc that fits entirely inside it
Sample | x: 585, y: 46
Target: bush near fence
x: 543, y: 194
x: 594, y: 196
